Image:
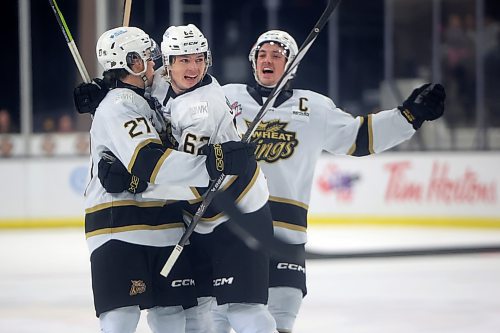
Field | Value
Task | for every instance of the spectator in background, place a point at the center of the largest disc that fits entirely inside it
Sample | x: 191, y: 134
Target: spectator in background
x: 65, y: 124
x: 5, y: 122
x: 492, y: 81
x: 6, y: 146
x: 457, y: 54
x: 491, y: 31
x: 48, y: 125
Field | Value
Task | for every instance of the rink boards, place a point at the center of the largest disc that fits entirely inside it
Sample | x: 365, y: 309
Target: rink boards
x: 432, y: 189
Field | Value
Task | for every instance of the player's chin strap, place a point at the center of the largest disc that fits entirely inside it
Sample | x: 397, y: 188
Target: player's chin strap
x: 147, y: 87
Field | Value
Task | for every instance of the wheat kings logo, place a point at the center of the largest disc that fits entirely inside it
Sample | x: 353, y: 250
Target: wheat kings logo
x: 137, y: 287
x: 273, y: 141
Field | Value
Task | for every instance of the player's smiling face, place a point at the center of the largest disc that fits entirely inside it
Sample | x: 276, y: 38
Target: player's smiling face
x: 271, y: 61
x: 186, y: 71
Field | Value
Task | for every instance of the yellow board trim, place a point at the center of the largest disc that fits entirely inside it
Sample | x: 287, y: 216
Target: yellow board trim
x: 42, y: 223
x: 313, y: 220
x: 435, y: 221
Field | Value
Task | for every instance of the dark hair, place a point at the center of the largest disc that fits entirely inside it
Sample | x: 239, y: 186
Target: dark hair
x: 111, y: 76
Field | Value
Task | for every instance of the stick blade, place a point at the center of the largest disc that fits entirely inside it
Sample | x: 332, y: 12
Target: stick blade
x: 176, y: 252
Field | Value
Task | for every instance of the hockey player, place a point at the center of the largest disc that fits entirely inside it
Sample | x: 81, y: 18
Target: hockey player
x: 308, y: 123
x: 289, y: 142
x: 129, y: 237
x: 198, y: 112
x: 195, y: 106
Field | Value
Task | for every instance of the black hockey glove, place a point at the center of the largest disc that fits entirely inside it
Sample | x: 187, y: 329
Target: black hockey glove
x: 87, y: 96
x: 115, y: 178
x: 230, y: 158
x: 424, y: 103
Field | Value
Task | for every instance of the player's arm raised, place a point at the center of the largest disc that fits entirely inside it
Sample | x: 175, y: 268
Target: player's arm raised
x: 377, y: 132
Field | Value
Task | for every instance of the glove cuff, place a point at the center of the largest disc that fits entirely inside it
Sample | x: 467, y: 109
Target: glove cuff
x: 410, y: 117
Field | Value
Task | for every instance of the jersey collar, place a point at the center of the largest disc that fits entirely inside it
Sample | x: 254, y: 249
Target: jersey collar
x: 258, y: 92
x: 171, y: 94
x: 137, y: 90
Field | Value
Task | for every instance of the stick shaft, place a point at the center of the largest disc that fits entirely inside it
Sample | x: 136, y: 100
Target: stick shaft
x: 127, y: 7
x: 69, y: 40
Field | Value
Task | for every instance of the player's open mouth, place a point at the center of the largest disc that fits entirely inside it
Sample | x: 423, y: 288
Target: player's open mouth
x: 267, y: 71
x: 190, y: 78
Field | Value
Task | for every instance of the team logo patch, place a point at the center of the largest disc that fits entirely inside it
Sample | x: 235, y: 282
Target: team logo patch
x: 236, y: 108
x: 273, y: 141
x: 302, y: 114
x: 137, y: 287
x: 199, y: 110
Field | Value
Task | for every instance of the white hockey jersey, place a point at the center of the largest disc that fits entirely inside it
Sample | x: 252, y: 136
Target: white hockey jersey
x: 291, y: 137
x: 203, y: 115
x: 124, y: 124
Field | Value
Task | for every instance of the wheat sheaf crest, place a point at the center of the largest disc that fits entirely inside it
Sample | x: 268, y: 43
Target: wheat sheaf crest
x: 270, y: 126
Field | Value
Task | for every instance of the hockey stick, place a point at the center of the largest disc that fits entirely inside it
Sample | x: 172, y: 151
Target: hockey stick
x: 127, y: 6
x: 209, y: 195
x: 242, y: 226
x: 71, y: 43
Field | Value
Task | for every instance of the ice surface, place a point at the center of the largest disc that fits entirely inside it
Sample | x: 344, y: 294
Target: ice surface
x: 45, y: 283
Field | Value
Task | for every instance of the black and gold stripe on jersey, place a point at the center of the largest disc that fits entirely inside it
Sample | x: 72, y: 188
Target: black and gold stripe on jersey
x: 237, y: 187
x: 288, y: 214
x: 129, y: 215
x: 147, y: 159
x: 364, y: 140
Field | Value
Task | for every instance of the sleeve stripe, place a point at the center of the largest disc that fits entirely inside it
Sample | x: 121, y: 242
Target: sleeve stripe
x: 199, y: 195
x: 158, y: 165
x: 289, y: 201
x: 289, y: 226
x: 137, y: 149
x: 249, y: 186
x: 370, y: 134
x: 364, y: 140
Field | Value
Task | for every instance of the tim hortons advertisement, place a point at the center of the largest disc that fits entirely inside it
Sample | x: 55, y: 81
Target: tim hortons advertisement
x: 458, y: 188
x: 433, y: 185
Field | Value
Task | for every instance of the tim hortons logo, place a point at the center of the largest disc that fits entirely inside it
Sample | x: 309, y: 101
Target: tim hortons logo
x: 442, y: 186
x: 137, y: 287
x: 273, y: 141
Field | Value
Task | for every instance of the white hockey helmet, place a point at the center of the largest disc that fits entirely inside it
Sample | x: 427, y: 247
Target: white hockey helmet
x: 116, y: 48
x: 184, y: 40
x: 283, y: 39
